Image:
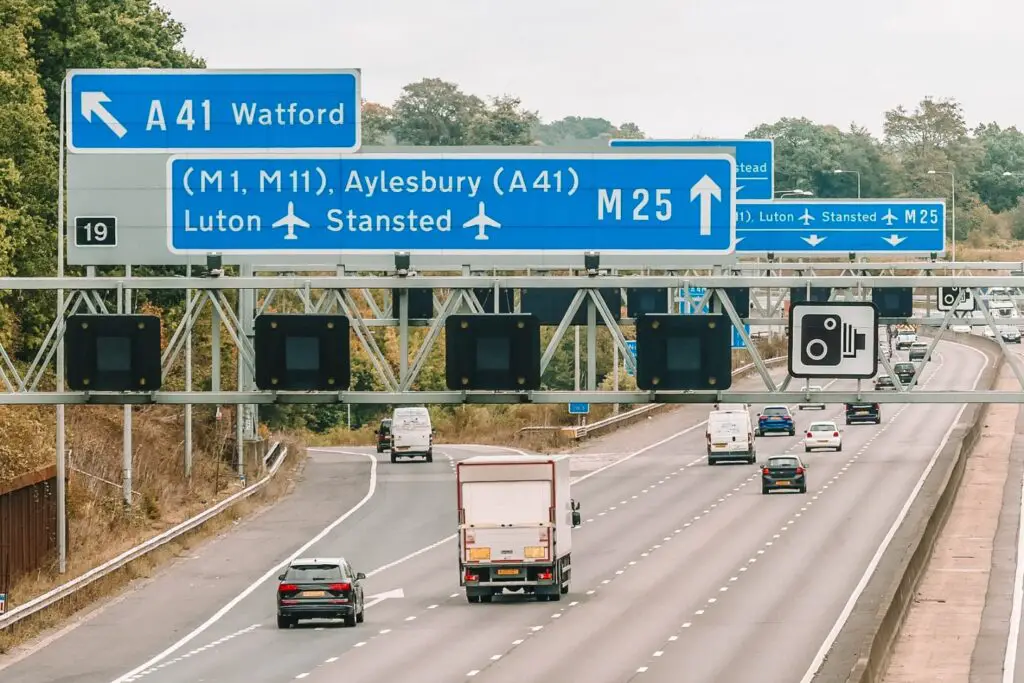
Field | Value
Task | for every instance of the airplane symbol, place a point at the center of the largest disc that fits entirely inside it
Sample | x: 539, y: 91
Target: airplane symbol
x: 481, y: 221
x: 806, y: 218
x: 291, y: 221
x: 889, y: 218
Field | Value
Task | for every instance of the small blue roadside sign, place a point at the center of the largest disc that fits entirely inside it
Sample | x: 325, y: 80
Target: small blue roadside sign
x: 631, y: 347
x: 834, y: 226
x: 737, y: 338
x: 467, y: 203
x: 205, y: 110
x: 755, y: 162
x: 690, y: 307
x: 579, y: 408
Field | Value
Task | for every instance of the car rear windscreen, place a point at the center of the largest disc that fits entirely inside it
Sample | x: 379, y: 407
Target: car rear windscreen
x: 782, y: 462
x: 775, y: 411
x: 313, y: 572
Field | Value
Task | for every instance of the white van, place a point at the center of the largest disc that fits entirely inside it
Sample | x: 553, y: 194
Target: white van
x: 730, y: 436
x: 411, y: 434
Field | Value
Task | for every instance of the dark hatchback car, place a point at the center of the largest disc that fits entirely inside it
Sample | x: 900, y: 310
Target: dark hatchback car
x: 885, y: 383
x: 320, y: 588
x: 905, y: 371
x: 863, y: 412
x: 784, y: 472
x: 384, y: 435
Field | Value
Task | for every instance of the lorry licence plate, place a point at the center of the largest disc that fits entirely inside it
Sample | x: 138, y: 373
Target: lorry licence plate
x: 507, y: 572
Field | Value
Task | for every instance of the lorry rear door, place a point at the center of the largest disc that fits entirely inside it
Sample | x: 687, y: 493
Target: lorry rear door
x: 506, y: 521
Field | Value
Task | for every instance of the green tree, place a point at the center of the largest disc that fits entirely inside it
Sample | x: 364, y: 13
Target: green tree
x: 125, y: 34
x: 503, y: 122
x: 377, y: 123
x: 1002, y: 154
x: 434, y: 112
x: 28, y: 156
x: 629, y: 131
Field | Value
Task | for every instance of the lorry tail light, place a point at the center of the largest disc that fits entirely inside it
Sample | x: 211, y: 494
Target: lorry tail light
x: 544, y: 576
x: 470, y: 576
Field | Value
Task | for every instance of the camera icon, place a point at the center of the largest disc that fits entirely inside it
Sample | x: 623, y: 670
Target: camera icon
x: 827, y: 340
x: 949, y: 296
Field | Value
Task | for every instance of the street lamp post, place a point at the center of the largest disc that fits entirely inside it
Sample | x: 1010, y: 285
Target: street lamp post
x: 952, y: 181
x: 856, y: 173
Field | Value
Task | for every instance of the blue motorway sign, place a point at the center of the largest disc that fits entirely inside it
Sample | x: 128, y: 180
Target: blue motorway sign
x: 631, y: 346
x: 755, y: 162
x: 579, y: 408
x: 452, y: 204
x: 838, y: 226
x: 690, y: 307
x: 737, y: 338
x: 193, y: 110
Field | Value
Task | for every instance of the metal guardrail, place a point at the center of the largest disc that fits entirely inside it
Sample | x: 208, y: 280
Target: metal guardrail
x: 613, y: 420
x: 273, y: 460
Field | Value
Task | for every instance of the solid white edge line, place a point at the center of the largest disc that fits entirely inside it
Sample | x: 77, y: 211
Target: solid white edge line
x: 1013, y: 637
x: 271, y: 572
x: 830, y: 639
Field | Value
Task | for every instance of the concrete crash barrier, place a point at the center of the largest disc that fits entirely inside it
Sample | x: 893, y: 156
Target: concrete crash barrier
x: 863, y: 648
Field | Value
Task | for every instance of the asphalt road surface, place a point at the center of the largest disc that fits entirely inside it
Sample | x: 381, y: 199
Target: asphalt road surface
x: 680, y: 571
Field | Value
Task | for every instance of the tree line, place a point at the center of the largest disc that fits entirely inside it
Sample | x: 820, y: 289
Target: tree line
x: 41, y: 39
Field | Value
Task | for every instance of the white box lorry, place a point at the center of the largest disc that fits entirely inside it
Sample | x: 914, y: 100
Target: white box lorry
x: 515, y: 525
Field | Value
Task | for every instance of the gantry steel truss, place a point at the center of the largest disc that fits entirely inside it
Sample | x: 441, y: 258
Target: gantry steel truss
x: 350, y: 295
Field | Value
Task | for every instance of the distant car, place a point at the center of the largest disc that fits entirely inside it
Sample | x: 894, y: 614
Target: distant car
x: 904, y: 340
x: 1010, y: 334
x: 885, y: 383
x: 320, y: 588
x: 863, y: 412
x: 919, y: 351
x: 905, y: 371
x: 813, y: 404
x: 775, y: 419
x: 960, y: 329
x: 783, y: 472
x: 823, y: 435
x: 384, y: 435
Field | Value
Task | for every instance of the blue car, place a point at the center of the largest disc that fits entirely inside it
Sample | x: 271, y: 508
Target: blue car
x: 775, y: 419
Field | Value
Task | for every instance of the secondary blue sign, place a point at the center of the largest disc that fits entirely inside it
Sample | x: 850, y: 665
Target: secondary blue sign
x: 832, y: 226
x: 631, y: 347
x: 689, y: 307
x: 453, y: 204
x: 737, y: 338
x: 194, y: 110
x: 579, y: 408
x: 755, y: 162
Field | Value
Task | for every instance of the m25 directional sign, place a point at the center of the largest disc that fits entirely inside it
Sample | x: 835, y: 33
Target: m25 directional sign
x: 755, y: 162
x: 192, y: 110
x: 834, y: 226
x: 452, y: 204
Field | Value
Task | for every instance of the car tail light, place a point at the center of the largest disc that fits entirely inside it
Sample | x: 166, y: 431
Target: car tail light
x: 287, y: 588
x: 339, y: 587
x: 799, y: 470
x: 835, y: 433
x: 809, y: 435
x: 875, y: 406
x: 544, y: 576
x: 470, y: 576
x: 765, y: 471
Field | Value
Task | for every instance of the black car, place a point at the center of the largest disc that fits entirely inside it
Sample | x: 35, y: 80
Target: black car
x: 905, y: 371
x: 918, y: 351
x: 384, y: 435
x: 320, y: 588
x: 885, y: 383
x: 863, y: 412
x: 784, y: 472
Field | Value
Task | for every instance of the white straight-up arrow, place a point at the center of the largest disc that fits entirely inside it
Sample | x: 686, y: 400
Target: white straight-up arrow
x: 814, y: 240
x: 705, y: 188
x: 894, y: 239
x: 381, y: 597
x: 92, y: 103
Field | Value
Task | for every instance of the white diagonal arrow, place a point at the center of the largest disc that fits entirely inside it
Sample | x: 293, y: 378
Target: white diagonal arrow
x: 705, y: 188
x: 894, y: 239
x: 814, y: 240
x: 381, y: 597
x: 92, y: 103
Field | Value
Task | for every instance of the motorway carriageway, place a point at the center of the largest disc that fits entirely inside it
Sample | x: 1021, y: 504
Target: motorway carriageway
x: 681, y: 571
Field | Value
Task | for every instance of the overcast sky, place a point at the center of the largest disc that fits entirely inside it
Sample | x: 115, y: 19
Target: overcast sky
x: 676, y: 67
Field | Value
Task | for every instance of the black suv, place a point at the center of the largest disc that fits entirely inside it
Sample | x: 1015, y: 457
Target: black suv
x: 384, y: 435
x: 320, y: 588
x: 905, y: 371
x: 863, y: 412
